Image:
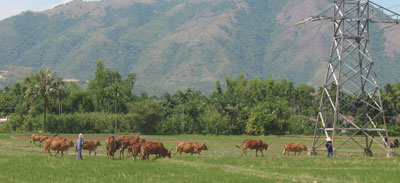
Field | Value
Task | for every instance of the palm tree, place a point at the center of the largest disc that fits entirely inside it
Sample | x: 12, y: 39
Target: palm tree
x: 116, y: 91
x: 43, y: 85
x: 62, y: 93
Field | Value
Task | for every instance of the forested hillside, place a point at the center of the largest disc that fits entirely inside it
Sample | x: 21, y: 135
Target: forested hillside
x: 179, y: 44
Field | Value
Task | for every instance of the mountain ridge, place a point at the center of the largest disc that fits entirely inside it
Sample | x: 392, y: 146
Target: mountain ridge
x: 180, y: 44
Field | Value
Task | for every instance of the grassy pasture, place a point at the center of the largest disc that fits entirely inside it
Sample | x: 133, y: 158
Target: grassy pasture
x: 221, y: 163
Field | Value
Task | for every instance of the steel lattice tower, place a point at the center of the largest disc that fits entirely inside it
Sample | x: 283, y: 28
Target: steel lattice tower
x: 350, y: 100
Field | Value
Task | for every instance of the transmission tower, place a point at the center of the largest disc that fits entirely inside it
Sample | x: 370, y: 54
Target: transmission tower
x: 350, y: 101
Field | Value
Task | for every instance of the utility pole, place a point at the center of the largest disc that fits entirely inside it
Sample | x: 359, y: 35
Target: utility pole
x: 350, y: 101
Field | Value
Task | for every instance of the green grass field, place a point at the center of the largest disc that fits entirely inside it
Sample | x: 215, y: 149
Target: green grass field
x: 221, y: 163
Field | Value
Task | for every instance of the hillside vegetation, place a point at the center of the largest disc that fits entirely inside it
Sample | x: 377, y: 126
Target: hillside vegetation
x: 179, y: 44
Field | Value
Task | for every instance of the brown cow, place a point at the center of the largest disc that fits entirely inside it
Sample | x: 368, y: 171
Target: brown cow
x: 39, y: 138
x: 294, y: 147
x: 57, y: 145
x: 156, y: 148
x: 112, y: 146
x: 125, y: 142
x: 190, y: 147
x: 135, y: 148
x: 258, y: 145
x: 49, y: 140
x: 68, y: 145
x: 91, y: 146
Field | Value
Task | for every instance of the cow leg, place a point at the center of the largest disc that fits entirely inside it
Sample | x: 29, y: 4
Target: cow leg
x: 295, y: 153
x: 284, y: 152
x: 121, y: 152
x: 261, y: 153
x: 90, y: 152
x: 299, y: 153
x: 244, y: 152
x: 256, y: 152
x: 95, y: 152
x: 48, y: 150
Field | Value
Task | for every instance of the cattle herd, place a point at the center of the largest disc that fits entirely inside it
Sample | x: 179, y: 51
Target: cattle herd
x: 136, y: 145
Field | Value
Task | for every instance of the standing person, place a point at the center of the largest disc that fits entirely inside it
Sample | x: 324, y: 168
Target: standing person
x: 329, y: 147
x: 79, y: 146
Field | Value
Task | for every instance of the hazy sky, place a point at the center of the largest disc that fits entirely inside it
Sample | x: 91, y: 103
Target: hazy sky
x: 13, y: 7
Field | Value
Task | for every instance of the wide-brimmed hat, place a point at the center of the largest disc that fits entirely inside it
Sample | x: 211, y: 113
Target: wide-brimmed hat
x: 328, y: 139
x: 80, y: 135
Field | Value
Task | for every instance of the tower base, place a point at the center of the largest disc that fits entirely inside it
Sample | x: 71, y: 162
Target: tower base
x: 368, y: 152
x: 392, y: 154
x: 312, y: 153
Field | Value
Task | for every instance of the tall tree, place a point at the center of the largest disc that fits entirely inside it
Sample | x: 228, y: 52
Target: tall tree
x: 43, y: 85
x: 108, y: 85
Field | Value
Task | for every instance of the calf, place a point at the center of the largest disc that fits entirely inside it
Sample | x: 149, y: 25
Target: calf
x: 135, y: 148
x: 294, y: 147
x: 91, y: 146
x: 190, y: 147
x: 125, y: 142
x: 258, y: 145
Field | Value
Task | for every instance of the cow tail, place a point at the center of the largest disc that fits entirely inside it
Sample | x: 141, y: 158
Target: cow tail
x: 238, y: 146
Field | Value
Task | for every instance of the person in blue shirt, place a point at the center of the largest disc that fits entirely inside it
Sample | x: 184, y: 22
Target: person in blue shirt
x: 79, y: 146
x: 329, y: 147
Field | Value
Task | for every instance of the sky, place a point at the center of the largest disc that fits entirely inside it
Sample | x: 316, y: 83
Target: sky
x: 10, y: 8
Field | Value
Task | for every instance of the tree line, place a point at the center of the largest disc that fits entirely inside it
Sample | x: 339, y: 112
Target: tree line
x: 44, y: 102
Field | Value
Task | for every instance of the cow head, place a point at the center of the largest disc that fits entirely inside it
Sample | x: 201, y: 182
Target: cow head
x: 305, y: 148
x: 98, y: 143
x: 203, y: 147
x: 70, y: 144
x: 168, y: 153
x: 264, y: 145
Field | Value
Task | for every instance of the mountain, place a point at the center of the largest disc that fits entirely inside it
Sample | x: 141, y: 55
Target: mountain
x: 176, y: 44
